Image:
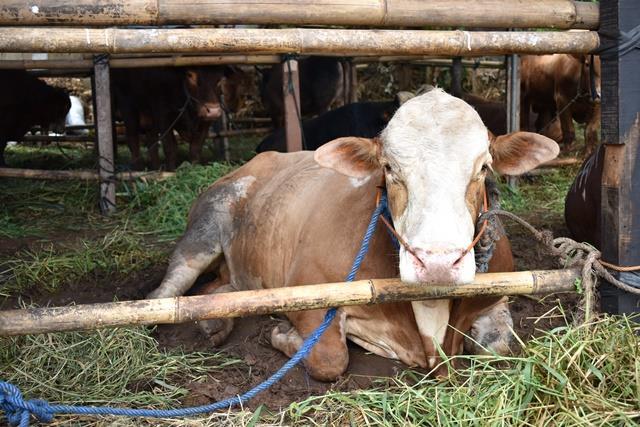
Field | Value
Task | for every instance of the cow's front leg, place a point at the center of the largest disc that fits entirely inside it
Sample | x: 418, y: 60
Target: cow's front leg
x: 329, y: 358
x: 492, y: 332
x: 591, y: 131
x: 217, y: 330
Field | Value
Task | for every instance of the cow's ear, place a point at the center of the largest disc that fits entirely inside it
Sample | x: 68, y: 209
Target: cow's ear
x: 520, y: 152
x: 356, y: 157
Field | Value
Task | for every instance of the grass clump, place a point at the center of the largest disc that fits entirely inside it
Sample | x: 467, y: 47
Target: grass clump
x: 121, y: 366
x: 119, y: 251
x: 588, y: 375
x: 543, y: 194
x: 161, y: 207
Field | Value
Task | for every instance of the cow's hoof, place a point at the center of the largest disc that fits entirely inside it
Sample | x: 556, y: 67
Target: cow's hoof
x: 491, y: 333
x: 285, y: 337
x: 216, y: 330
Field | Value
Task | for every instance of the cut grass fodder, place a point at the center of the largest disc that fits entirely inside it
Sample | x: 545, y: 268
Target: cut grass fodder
x: 121, y: 366
x: 49, y: 268
x: 161, y: 207
x: 584, y: 375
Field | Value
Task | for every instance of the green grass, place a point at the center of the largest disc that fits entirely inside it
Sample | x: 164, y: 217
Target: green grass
x: 121, y: 366
x: 161, y: 207
x: 543, y: 194
x: 586, y: 375
x: 49, y: 268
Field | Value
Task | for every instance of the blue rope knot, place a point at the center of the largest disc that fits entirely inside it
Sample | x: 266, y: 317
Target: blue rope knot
x: 18, y: 410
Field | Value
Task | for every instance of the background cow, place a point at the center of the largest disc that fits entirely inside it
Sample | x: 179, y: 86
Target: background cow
x: 154, y: 101
x: 363, y: 119
x: 562, y: 85
x: 582, y: 205
x: 321, y: 81
x: 297, y: 218
x: 27, y: 101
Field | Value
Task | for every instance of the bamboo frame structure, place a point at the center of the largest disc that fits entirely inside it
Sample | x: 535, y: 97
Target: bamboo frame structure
x: 63, y: 175
x: 294, y: 41
x: 277, y: 300
x: 562, y: 14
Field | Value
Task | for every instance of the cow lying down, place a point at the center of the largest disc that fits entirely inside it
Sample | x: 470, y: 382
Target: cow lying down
x: 298, y: 218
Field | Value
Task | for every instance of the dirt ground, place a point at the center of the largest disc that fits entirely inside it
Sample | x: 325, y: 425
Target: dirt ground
x: 249, y: 340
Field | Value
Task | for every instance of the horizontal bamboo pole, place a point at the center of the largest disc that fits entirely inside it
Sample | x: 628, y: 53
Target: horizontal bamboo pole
x: 562, y: 14
x: 294, y: 40
x: 278, y: 300
x: 58, y: 175
x: 165, y: 61
x: 569, y: 161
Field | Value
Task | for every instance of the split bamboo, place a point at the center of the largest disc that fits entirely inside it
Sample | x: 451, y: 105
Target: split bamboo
x: 294, y: 40
x: 562, y: 14
x: 79, y: 174
x: 278, y: 300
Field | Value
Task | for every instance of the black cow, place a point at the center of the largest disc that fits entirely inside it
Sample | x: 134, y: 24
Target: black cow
x: 362, y: 119
x: 582, y: 205
x: 321, y: 81
x: 154, y: 101
x: 26, y: 101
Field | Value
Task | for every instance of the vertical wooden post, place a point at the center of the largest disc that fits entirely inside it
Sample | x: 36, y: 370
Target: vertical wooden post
x: 225, y: 139
x: 621, y: 134
x: 292, y: 110
x: 353, y: 83
x: 456, y: 77
x: 104, y: 133
x: 513, y: 102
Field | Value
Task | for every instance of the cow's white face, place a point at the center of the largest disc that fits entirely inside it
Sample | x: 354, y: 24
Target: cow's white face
x: 434, y: 154
x: 431, y: 150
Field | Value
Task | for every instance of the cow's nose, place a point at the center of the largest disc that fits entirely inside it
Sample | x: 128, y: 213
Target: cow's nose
x: 210, y: 111
x: 443, y: 266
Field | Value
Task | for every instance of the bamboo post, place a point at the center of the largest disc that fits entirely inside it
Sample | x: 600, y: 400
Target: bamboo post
x: 292, y: 106
x: 104, y: 134
x: 86, y: 175
x: 620, y: 210
x: 277, y: 300
x: 303, y: 41
x: 513, y: 102
x: 561, y: 14
x: 456, y: 77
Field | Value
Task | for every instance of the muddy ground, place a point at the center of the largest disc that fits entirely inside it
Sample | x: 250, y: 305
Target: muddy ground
x: 250, y: 339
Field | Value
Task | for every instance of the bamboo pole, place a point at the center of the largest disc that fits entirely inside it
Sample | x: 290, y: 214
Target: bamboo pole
x: 294, y: 40
x: 277, y: 300
x: 165, y: 61
x: 561, y: 14
x: 86, y: 175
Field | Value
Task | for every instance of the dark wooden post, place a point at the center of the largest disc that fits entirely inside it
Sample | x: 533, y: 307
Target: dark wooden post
x: 104, y: 133
x: 620, y: 134
x: 292, y: 110
x: 513, y: 101
x: 456, y: 77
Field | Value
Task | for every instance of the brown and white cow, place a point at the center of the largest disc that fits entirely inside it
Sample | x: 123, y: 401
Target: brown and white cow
x: 562, y: 85
x: 298, y: 218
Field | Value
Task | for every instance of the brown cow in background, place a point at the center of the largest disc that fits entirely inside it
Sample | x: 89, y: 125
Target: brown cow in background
x: 565, y: 86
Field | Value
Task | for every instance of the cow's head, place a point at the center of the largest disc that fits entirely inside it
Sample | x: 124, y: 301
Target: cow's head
x: 590, y: 75
x: 435, y: 154
x: 201, y: 85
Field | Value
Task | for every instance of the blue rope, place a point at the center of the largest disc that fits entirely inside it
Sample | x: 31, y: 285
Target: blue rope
x: 18, y: 410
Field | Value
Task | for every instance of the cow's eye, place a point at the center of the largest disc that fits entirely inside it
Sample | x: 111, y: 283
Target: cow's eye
x: 387, y: 168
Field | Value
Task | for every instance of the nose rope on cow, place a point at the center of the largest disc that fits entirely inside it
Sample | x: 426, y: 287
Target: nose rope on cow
x: 483, y: 252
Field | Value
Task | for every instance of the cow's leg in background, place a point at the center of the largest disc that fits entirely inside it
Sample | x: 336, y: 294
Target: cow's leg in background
x: 592, y: 130
x: 196, y: 141
x: 132, y: 132
x: 566, y: 121
x: 170, y: 148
